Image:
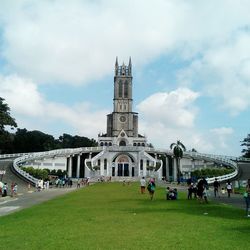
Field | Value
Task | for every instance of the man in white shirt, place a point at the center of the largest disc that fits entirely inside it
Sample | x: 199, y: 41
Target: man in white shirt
x: 143, y: 185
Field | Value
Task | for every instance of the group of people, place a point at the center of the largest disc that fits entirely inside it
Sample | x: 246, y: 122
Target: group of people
x: 171, y: 194
x: 150, y: 186
x: 201, y: 189
x: 4, y: 189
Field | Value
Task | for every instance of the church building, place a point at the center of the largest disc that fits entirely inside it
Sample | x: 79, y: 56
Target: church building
x: 125, y: 151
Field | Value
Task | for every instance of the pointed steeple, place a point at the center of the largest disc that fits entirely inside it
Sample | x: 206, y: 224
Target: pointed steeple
x: 116, y: 66
x: 130, y: 66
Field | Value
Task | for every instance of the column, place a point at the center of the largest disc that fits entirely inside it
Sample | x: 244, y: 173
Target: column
x: 193, y: 165
x: 205, y: 164
x: 174, y: 169
x: 101, y: 167
x: 167, y: 168
x: 137, y: 163
x: 78, y: 166
x: 144, y: 168
x: 107, y: 168
x: 70, y: 167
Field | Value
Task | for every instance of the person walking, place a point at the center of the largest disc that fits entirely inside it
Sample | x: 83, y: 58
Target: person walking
x: 216, y: 188
x: 229, y: 189
x: 5, y: 189
x: 143, y: 185
x: 247, y: 198
x: 151, y: 188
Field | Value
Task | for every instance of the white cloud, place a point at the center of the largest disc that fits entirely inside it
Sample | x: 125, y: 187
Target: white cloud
x: 221, y: 135
x: 174, y: 108
x: 22, y: 95
x: 223, y: 73
x: 33, y: 111
x: 74, y: 42
x: 77, y: 41
x: 168, y: 117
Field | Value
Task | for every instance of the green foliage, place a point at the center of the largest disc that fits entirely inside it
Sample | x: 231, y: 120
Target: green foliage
x: 113, y: 216
x: 5, y: 118
x: 246, y: 143
x: 37, y: 172
x: 211, y: 172
x: 6, y: 138
x: 33, y: 141
x: 44, y: 173
x: 68, y: 141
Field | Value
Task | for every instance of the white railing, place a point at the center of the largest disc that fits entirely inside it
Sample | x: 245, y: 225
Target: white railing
x: 23, y: 157
x: 17, y: 162
x: 220, y: 159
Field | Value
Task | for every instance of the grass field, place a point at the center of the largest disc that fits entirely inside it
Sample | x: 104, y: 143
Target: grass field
x: 112, y: 216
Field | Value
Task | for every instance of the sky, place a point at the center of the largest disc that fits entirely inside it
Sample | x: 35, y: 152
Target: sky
x: 190, y: 59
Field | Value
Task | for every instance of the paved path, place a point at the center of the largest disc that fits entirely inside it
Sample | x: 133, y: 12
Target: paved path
x: 235, y: 200
x: 28, y: 199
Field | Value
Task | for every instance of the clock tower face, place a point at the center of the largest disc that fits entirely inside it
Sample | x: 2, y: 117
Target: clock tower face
x: 122, y: 118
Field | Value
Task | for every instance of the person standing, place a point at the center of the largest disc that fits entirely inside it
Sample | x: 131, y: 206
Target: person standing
x: 216, y: 188
x: 5, y: 189
x: 15, y: 190
x: 200, y: 189
x: 143, y: 185
x: 151, y: 188
x: 229, y: 189
x: 247, y: 198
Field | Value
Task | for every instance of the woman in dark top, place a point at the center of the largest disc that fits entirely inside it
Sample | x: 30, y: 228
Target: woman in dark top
x: 247, y: 198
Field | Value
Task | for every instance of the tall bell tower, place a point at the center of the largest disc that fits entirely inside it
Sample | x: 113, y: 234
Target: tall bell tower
x: 122, y: 118
x: 122, y: 123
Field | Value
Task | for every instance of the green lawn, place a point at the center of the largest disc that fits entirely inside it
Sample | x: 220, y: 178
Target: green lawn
x: 112, y: 216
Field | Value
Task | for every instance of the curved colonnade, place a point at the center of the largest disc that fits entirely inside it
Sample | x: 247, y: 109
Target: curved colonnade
x: 20, y: 159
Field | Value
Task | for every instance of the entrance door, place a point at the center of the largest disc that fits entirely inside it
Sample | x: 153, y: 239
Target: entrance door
x: 126, y: 169
x: 123, y: 169
x: 120, y: 169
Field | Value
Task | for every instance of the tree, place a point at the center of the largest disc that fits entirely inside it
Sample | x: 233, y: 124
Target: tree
x: 69, y: 141
x: 32, y: 141
x: 178, y: 149
x: 246, y: 143
x: 5, y: 120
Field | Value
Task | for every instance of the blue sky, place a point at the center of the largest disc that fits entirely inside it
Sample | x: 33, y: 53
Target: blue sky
x: 191, y: 67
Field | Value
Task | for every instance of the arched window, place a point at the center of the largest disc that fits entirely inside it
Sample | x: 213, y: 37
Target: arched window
x: 143, y: 144
x: 122, y: 143
x: 106, y: 144
x: 134, y: 144
x: 139, y: 144
x: 101, y: 144
x: 126, y: 89
x: 120, y: 89
x: 110, y: 144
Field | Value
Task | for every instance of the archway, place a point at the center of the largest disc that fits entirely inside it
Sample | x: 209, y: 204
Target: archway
x: 122, y: 143
x: 123, y: 165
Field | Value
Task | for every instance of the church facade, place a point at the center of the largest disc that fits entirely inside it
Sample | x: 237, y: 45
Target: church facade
x: 125, y: 152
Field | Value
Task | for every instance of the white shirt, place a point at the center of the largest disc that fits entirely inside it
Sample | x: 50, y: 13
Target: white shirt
x: 143, y: 182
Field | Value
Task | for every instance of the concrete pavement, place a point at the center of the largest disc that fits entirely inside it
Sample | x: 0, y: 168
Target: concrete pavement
x: 23, y: 200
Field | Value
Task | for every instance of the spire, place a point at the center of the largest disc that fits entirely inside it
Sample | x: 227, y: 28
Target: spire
x: 130, y: 67
x: 116, y: 66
